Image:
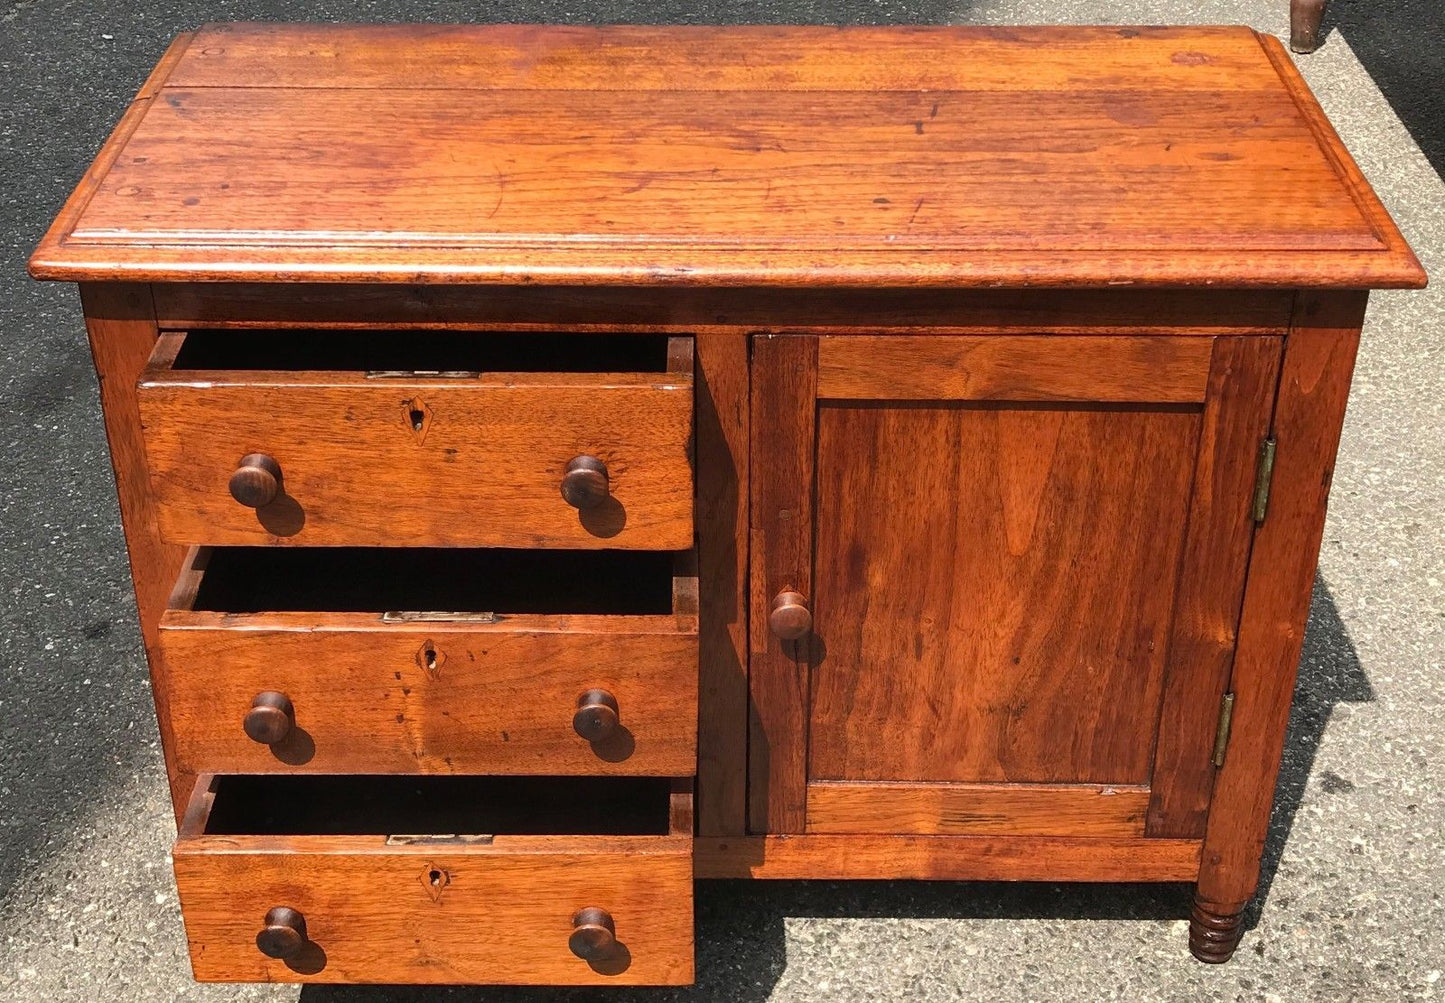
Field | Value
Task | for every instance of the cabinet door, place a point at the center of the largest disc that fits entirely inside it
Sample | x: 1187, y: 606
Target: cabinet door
x: 1022, y: 558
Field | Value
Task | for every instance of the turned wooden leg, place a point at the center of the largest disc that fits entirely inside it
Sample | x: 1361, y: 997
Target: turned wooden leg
x: 1214, y: 930
x: 1304, y: 24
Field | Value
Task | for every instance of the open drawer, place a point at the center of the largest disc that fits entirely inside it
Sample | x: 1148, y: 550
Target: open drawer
x: 545, y: 880
x: 334, y: 660
x: 420, y: 438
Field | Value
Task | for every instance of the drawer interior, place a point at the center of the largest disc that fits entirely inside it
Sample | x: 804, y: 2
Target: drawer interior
x: 395, y: 580
x: 459, y: 352
x: 429, y: 805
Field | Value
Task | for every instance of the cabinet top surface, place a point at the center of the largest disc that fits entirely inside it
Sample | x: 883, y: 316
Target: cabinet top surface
x: 745, y: 156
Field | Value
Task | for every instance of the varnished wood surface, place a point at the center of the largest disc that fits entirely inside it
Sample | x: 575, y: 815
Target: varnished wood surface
x: 120, y: 321
x: 722, y: 428
x: 1240, y: 401
x: 418, y: 460
x: 497, y: 911
x: 986, y: 605
x: 442, y: 697
x: 461, y: 692
x: 1315, y: 373
x: 784, y: 412
x: 968, y: 156
x: 1029, y: 368
x: 1172, y: 312
x: 648, y: 58
x: 1078, y: 810
x: 946, y: 858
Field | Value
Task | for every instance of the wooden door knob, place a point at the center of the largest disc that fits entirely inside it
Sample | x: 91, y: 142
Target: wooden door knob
x: 256, y: 480
x: 284, y: 935
x: 594, y: 938
x: 584, y: 482
x: 596, y: 716
x: 790, y: 618
x: 270, y: 718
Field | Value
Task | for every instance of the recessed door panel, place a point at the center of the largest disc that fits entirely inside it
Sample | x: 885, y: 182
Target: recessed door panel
x: 992, y: 589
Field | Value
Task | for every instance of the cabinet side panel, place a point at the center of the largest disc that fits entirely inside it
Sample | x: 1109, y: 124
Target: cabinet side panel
x: 120, y: 320
x: 784, y: 413
x: 1319, y: 359
x: 1242, y: 382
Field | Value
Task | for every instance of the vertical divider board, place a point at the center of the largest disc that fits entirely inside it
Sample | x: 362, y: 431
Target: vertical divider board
x: 721, y: 431
x: 784, y: 416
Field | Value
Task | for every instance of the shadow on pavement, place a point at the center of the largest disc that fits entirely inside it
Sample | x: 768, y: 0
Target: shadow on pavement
x: 1329, y: 674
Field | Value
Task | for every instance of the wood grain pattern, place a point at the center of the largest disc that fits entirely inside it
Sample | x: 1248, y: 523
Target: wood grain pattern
x: 1172, y: 312
x: 988, y: 607
x: 746, y: 58
x: 976, y: 809
x: 1330, y: 143
x: 1170, y: 159
x: 440, y: 697
x: 1242, y: 384
x: 1319, y: 358
x: 708, y: 190
x: 722, y: 556
x: 120, y: 322
x: 482, y: 466
x: 784, y: 390
x: 946, y: 858
x: 682, y: 805
x: 1032, y: 368
x: 496, y: 912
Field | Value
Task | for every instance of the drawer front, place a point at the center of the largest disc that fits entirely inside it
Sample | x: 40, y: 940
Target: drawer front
x: 345, y: 460
x: 365, y: 697
x: 413, y: 909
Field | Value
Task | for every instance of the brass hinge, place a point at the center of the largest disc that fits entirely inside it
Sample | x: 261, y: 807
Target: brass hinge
x: 1263, y: 474
x: 1221, y: 733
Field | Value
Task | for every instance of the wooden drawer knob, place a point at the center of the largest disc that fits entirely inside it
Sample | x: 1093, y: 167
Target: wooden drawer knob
x: 790, y: 618
x: 284, y: 935
x: 270, y: 718
x: 256, y: 480
x: 584, y: 483
x: 596, y: 716
x: 594, y: 938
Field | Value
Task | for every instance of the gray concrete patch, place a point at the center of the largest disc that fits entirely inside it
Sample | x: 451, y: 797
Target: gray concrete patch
x: 1353, y: 908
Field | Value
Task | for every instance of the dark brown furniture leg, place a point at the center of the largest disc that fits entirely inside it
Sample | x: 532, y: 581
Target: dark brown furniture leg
x: 1214, y: 930
x: 1304, y: 24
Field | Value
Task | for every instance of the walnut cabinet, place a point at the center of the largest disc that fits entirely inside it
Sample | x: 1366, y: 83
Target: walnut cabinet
x: 584, y: 460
